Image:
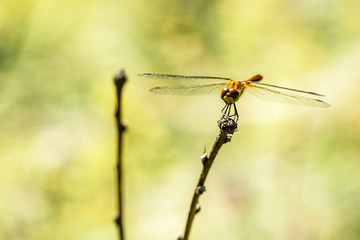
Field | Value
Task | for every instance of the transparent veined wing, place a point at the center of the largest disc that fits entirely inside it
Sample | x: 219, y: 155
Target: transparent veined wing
x: 200, y: 89
x: 274, y: 93
x: 179, y: 77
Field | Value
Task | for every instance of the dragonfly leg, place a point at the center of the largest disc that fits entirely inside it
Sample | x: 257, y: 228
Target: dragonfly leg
x: 224, y: 110
x: 236, y: 115
x: 233, y: 116
x: 226, y: 113
x: 228, y: 123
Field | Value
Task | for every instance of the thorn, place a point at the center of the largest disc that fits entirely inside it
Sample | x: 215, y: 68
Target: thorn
x: 204, y: 158
x: 117, y: 112
x: 117, y: 220
x: 228, y: 138
x: 198, y: 208
x: 200, y: 189
x: 123, y: 127
x: 178, y: 236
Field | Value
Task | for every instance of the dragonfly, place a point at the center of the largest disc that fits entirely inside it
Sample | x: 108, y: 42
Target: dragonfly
x: 231, y: 89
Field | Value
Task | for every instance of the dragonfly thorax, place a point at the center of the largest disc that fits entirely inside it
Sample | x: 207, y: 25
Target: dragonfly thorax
x: 232, y: 92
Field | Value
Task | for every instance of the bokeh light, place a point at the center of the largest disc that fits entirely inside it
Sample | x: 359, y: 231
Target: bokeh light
x: 290, y: 172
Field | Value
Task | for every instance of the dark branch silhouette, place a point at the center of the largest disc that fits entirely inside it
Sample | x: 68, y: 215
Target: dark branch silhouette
x: 227, y: 127
x: 119, y: 80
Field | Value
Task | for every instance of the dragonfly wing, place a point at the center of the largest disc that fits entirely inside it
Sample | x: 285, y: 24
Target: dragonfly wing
x: 179, y: 77
x: 201, y: 89
x: 285, y: 95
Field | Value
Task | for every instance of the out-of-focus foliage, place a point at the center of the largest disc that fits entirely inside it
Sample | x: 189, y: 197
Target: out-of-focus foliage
x: 289, y: 173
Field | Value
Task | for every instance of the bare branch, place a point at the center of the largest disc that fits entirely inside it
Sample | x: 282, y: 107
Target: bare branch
x: 227, y: 128
x: 119, y: 80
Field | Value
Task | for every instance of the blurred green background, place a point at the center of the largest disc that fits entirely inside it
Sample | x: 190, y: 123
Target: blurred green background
x: 290, y: 172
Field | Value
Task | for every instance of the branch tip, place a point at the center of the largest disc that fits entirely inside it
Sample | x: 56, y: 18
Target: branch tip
x: 227, y: 125
x: 120, y: 77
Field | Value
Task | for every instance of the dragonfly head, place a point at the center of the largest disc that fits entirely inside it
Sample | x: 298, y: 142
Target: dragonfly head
x: 230, y: 95
x: 232, y: 92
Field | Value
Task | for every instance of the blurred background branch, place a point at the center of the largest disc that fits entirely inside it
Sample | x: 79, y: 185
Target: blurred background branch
x: 120, y: 79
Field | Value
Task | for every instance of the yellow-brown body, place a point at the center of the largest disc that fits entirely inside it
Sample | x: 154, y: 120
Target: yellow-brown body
x: 232, y: 92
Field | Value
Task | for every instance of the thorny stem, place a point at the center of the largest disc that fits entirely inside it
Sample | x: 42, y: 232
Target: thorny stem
x: 119, y: 80
x: 227, y: 128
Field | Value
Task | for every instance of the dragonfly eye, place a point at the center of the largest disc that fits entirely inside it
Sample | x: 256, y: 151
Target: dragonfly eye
x: 234, y: 93
x: 224, y: 92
